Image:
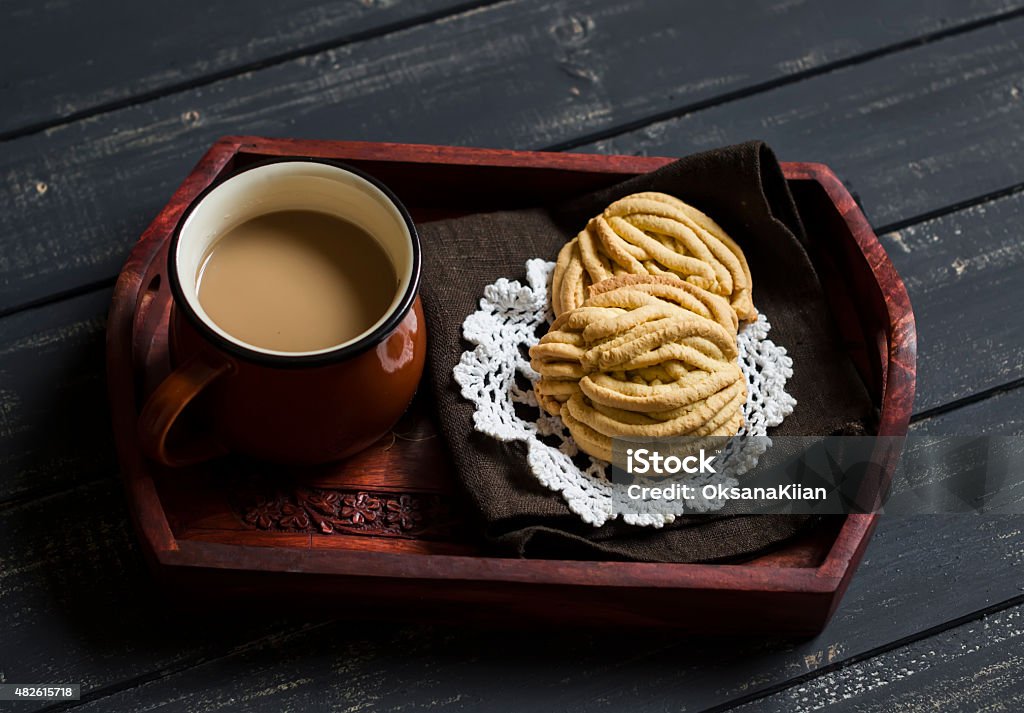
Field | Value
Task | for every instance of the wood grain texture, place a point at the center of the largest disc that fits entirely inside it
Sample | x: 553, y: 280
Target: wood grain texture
x: 529, y: 75
x: 902, y: 589
x: 125, y: 51
x: 911, y: 132
x: 119, y: 60
x: 964, y: 274
x: 948, y: 468
x: 77, y: 601
x: 972, y: 667
x: 54, y: 421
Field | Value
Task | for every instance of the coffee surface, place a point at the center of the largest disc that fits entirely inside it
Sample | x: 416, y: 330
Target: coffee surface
x: 296, y: 281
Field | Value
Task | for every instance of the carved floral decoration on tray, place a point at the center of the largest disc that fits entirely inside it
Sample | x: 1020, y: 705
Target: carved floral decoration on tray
x: 329, y: 511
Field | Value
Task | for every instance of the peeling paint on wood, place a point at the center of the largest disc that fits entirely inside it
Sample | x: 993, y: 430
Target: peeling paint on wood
x: 965, y: 276
x: 912, y: 132
x: 498, y: 77
x: 902, y: 589
x: 126, y: 50
x: 973, y: 667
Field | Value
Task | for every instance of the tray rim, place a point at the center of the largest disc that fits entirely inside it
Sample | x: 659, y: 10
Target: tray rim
x: 161, y: 546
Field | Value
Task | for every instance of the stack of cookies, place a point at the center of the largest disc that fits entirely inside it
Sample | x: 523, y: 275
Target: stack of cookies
x: 648, y: 299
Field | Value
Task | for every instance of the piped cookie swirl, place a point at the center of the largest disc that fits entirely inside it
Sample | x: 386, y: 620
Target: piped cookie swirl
x: 653, y: 234
x: 648, y: 299
x: 643, y: 356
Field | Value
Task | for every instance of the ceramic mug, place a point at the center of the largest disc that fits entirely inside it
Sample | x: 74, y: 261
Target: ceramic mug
x: 288, y: 407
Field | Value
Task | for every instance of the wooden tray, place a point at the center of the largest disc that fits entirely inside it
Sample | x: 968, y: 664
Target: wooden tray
x: 386, y: 530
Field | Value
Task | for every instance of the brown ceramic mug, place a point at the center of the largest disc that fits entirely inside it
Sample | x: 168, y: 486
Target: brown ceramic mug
x: 287, y: 407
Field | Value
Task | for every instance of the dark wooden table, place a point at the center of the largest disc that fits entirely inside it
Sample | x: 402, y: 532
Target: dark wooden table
x: 918, y: 104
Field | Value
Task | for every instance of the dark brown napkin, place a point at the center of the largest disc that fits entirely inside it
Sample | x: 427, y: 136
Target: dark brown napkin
x: 742, y: 188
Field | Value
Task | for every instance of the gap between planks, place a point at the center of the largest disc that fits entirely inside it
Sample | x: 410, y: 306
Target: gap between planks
x: 121, y: 147
x: 974, y: 398
x: 254, y: 66
x: 183, y: 666
x: 785, y: 80
x: 611, y: 132
x: 737, y: 703
x: 853, y: 661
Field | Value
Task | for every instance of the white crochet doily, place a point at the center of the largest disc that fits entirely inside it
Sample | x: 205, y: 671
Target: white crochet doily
x: 491, y: 376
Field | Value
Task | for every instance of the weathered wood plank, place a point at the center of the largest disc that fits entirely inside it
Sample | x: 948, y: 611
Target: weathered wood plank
x: 902, y: 589
x: 965, y: 276
x: 532, y: 75
x: 70, y: 58
x: 54, y: 425
x: 948, y: 468
x: 973, y: 667
x: 912, y: 132
x: 77, y: 602
x: 74, y: 57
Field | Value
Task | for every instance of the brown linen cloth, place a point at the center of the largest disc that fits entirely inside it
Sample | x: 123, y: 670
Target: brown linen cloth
x: 742, y: 188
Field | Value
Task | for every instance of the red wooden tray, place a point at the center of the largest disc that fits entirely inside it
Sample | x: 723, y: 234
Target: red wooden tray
x: 385, y: 530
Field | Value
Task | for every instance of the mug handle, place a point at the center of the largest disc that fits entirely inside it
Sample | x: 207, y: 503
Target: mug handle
x: 168, y: 401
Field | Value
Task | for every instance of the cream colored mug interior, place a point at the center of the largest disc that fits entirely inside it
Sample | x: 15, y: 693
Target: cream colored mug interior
x: 292, y: 185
